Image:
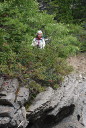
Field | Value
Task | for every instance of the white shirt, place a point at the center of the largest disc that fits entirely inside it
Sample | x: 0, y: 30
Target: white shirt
x: 40, y: 43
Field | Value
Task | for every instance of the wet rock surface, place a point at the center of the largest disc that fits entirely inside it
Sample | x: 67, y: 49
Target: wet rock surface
x: 61, y: 108
x: 12, y: 100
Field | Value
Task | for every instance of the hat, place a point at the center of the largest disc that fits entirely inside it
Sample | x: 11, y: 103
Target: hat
x: 39, y: 31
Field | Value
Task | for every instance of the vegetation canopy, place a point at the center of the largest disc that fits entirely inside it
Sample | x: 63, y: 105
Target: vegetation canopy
x: 19, y: 22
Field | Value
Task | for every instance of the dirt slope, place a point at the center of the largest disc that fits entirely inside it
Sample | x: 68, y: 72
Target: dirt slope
x: 78, y: 62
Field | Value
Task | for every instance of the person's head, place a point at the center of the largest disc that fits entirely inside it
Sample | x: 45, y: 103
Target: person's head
x: 39, y: 34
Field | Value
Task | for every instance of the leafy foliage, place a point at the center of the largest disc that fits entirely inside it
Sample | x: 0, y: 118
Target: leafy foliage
x: 19, y: 22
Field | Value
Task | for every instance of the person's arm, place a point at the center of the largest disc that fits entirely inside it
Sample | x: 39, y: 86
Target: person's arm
x: 33, y: 42
x: 43, y: 43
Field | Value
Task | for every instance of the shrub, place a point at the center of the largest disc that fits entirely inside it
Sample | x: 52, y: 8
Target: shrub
x: 19, y: 22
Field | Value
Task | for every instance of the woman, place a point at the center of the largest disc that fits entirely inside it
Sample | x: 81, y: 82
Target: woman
x: 39, y: 40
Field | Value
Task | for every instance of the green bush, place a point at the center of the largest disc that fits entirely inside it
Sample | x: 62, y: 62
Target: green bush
x: 79, y: 31
x: 19, y: 22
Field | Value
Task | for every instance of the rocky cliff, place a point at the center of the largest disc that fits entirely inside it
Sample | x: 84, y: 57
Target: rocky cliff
x: 61, y: 108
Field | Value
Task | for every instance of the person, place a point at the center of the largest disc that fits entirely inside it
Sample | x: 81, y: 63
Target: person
x: 39, y: 41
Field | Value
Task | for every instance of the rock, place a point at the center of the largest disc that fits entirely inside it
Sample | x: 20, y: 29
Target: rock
x: 10, y: 85
x: 6, y: 111
x: 4, y: 121
x: 19, y: 119
x: 41, y: 99
x: 7, y: 99
x: 12, y: 100
x: 68, y: 122
x: 22, y: 96
x: 61, y: 108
